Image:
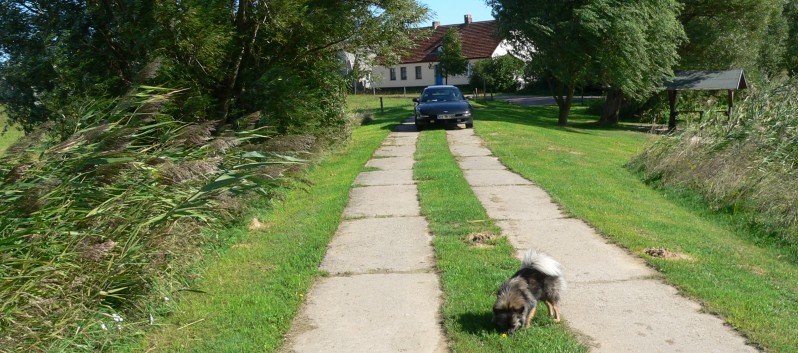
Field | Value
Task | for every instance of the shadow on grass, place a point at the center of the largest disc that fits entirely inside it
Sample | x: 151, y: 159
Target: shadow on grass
x: 579, y: 121
x: 474, y: 323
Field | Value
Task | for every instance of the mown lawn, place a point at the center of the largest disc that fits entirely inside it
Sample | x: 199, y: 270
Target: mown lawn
x: 248, y: 294
x: 754, y: 287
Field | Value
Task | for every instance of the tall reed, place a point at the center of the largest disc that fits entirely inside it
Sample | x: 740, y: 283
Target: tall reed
x: 90, y: 224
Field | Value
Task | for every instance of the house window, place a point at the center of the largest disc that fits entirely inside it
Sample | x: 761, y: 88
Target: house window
x: 403, y: 72
x: 393, y: 74
x: 418, y: 72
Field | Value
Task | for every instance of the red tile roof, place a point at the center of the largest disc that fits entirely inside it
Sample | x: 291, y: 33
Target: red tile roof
x: 479, y: 41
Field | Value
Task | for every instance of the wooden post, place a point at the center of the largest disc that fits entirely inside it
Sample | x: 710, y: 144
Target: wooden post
x: 382, y: 110
x: 672, y: 118
x: 731, y: 105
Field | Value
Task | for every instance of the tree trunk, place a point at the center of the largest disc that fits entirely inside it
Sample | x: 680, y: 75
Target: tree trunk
x: 246, y: 33
x: 565, y: 108
x: 612, y: 107
x: 564, y: 95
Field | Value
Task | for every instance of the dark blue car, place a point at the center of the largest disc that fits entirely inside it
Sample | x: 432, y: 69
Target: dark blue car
x: 442, y: 104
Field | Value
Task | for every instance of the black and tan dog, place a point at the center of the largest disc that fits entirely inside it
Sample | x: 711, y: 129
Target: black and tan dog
x: 540, y: 278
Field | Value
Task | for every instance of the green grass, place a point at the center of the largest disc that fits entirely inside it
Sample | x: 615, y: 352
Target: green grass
x: 753, y: 286
x: 469, y: 274
x: 248, y: 294
x: 8, y: 133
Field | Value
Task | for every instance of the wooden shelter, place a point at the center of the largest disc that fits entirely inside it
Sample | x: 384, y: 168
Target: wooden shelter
x: 719, y: 80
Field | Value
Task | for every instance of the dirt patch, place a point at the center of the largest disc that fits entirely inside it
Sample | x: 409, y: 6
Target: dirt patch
x: 667, y: 254
x: 256, y: 224
x: 754, y: 269
x: 482, y: 239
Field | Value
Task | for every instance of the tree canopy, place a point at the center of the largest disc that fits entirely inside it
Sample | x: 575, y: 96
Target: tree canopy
x: 232, y: 57
x: 627, y: 46
x: 748, y: 34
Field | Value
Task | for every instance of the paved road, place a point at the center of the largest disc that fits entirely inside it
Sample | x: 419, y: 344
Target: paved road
x: 538, y: 100
x: 382, y: 294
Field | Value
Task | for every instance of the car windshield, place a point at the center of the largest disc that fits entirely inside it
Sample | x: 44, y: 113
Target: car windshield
x: 441, y: 94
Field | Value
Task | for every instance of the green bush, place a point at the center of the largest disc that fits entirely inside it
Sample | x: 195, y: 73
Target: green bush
x: 91, y: 226
x: 747, y: 165
x: 499, y: 74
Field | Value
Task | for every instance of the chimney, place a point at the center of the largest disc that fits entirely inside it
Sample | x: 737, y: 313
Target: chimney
x: 435, y: 24
x: 468, y: 19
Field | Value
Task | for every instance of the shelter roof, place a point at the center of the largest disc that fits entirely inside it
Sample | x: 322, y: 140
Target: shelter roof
x: 708, y: 80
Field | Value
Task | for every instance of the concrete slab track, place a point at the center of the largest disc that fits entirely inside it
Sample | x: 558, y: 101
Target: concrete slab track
x: 382, y: 294
x: 614, y: 301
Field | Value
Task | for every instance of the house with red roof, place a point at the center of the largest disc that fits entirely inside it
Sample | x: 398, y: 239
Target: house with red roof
x: 420, y: 67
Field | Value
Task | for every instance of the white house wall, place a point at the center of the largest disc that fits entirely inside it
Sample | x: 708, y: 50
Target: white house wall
x: 382, y: 78
x: 503, y: 48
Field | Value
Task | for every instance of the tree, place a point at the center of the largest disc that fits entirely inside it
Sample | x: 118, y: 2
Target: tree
x: 547, y: 33
x: 451, y: 60
x: 628, y: 46
x: 634, y: 48
x: 500, y: 73
x: 732, y: 33
x: 232, y: 57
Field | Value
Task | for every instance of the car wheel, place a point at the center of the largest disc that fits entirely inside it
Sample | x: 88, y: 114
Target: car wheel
x: 419, y: 125
x: 469, y: 125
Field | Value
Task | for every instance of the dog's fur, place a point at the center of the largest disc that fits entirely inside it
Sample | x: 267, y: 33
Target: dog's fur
x: 540, y: 278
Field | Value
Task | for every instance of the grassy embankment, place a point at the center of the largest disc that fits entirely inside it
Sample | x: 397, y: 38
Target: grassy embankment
x: 248, y: 294
x: 472, y: 271
x: 8, y: 133
x: 753, y: 286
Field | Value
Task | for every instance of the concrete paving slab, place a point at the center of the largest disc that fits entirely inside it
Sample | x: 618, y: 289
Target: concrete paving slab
x: 383, y: 201
x: 397, y: 244
x: 645, y: 316
x: 481, y: 163
x: 385, y: 177
x: 464, y: 137
x: 517, y: 202
x: 370, y: 314
x: 407, y: 127
x: 391, y: 163
x: 468, y: 150
x: 396, y: 151
x: 400, y: 140
x: 494, y: 177
x: 584, y: 254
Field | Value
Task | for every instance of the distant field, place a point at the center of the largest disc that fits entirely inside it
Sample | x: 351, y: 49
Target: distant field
x: 8, y: 133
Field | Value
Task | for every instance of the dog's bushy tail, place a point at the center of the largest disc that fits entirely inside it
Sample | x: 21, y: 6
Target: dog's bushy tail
x: 538, y: 260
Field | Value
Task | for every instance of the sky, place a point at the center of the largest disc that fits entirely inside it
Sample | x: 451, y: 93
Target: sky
x: 452, y: 11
